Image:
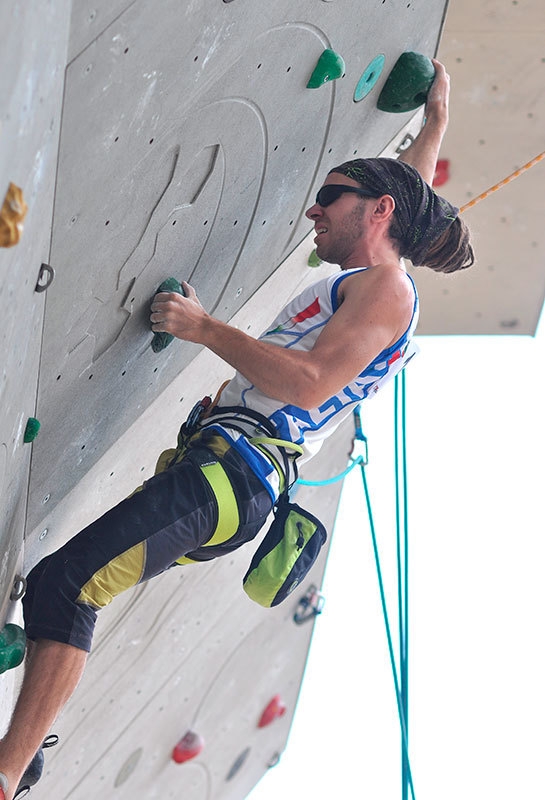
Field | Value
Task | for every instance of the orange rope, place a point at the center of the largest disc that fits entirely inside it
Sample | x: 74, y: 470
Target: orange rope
x: 497, y: 186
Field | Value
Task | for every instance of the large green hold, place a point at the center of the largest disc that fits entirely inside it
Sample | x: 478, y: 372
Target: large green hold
x: 329, y: 67
x: 408, y: 84
x: 162, y: 340
x: 12, y: 646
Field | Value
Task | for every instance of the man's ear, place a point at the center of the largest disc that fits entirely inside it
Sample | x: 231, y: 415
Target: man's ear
x: 384, y: 207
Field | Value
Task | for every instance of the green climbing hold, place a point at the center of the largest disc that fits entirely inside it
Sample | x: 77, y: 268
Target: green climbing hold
x: 32, y: 429
x: 314, y: 260
x: 12, y: 646
x: 408, y: 84
x: 329, y: 67
x: 162, y: 340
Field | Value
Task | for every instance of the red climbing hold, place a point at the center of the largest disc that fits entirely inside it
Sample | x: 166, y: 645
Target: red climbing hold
x: 442, y: 172
x: 276, y: 708
x: 188, y: 747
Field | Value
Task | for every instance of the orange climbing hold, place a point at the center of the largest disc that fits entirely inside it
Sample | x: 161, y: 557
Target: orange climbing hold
x: 188, y: 747
x: 12, y: 215
x: 275, y: 709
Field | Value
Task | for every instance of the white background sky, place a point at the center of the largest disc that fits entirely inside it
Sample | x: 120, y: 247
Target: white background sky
x: 476, y: 442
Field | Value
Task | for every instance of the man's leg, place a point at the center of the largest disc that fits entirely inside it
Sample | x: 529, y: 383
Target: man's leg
x: 52, y: 673
x: 176, y: 514
x: 60, y: 623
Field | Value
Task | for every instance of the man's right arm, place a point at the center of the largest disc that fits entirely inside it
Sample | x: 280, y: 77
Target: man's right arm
x: 424, y: 151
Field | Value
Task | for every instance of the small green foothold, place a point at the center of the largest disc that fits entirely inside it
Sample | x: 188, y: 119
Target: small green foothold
x: 329, y: 67
x: 32, y: 429
x: 408, y: 84
x: 314, y: 260
x: 162, y: 340
x: 12, y: 646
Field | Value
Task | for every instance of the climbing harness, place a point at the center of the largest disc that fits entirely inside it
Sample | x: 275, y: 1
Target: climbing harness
x: 499, y: 185
x: 293, y: 541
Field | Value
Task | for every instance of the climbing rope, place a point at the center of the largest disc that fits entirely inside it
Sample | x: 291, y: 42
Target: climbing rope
x: 499, y: 185
x: 402, y: 548
x: 335, y: 478
x: 401, y: 680
x: 400, y: 683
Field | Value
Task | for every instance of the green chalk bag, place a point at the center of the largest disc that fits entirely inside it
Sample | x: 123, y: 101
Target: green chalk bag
x: 286, y: 554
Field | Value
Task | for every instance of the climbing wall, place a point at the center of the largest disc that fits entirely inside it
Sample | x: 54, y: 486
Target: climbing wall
x: 30, y: 110
x: 153, y: 140
x: 190, y: 146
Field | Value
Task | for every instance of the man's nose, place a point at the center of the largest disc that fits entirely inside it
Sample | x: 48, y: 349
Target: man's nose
x: 314, y: 211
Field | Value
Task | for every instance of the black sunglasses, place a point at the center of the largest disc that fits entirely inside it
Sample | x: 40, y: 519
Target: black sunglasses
x: 332, y: 191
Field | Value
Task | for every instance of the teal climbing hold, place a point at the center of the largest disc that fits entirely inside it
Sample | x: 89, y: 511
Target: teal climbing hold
x: 31, y: 430
x: 408, y: 83
x: 12, y: 646
x: 314, y: 260
x: 369, y: 78
x: 329, y: 67
x: 162, y: 340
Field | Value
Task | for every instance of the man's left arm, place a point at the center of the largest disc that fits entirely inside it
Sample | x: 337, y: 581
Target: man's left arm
x: 423, y: 153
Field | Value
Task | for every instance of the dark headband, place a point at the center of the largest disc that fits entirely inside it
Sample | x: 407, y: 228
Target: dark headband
x: 423, y: 215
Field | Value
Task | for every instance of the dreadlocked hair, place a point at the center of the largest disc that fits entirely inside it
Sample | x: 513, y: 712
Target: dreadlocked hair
x: 450, y: 252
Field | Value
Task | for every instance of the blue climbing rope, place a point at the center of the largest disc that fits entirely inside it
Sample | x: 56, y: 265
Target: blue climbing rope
x: 402, y: 546
x: 400, y: 683
x: 335, y: 478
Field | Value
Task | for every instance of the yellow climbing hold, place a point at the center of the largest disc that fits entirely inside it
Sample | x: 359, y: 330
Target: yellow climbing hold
x: 12, y: 215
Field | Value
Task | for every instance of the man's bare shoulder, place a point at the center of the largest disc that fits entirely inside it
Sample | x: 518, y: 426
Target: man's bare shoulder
x: 384, y: 280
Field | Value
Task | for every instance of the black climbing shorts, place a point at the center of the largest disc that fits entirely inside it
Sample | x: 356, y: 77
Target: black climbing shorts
x: 205, y: 506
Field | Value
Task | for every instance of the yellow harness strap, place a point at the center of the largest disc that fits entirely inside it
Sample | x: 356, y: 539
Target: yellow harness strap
x: 260, y: 441
x: 279, y: 442
x: 228, y: 517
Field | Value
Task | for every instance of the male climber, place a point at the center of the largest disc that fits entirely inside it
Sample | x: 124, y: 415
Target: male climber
x: 323, y: 354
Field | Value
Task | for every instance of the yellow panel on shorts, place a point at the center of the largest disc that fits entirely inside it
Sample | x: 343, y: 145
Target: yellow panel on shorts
x: 118, y: 575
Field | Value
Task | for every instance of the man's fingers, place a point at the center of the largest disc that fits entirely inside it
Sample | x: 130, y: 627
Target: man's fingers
x: 164, y: 299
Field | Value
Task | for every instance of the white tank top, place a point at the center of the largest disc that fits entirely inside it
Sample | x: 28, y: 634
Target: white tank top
x: 298, y: 326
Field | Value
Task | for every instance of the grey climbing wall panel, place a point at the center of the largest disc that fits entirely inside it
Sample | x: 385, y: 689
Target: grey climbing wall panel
x: 30, y: 106
x: 190, y: 146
